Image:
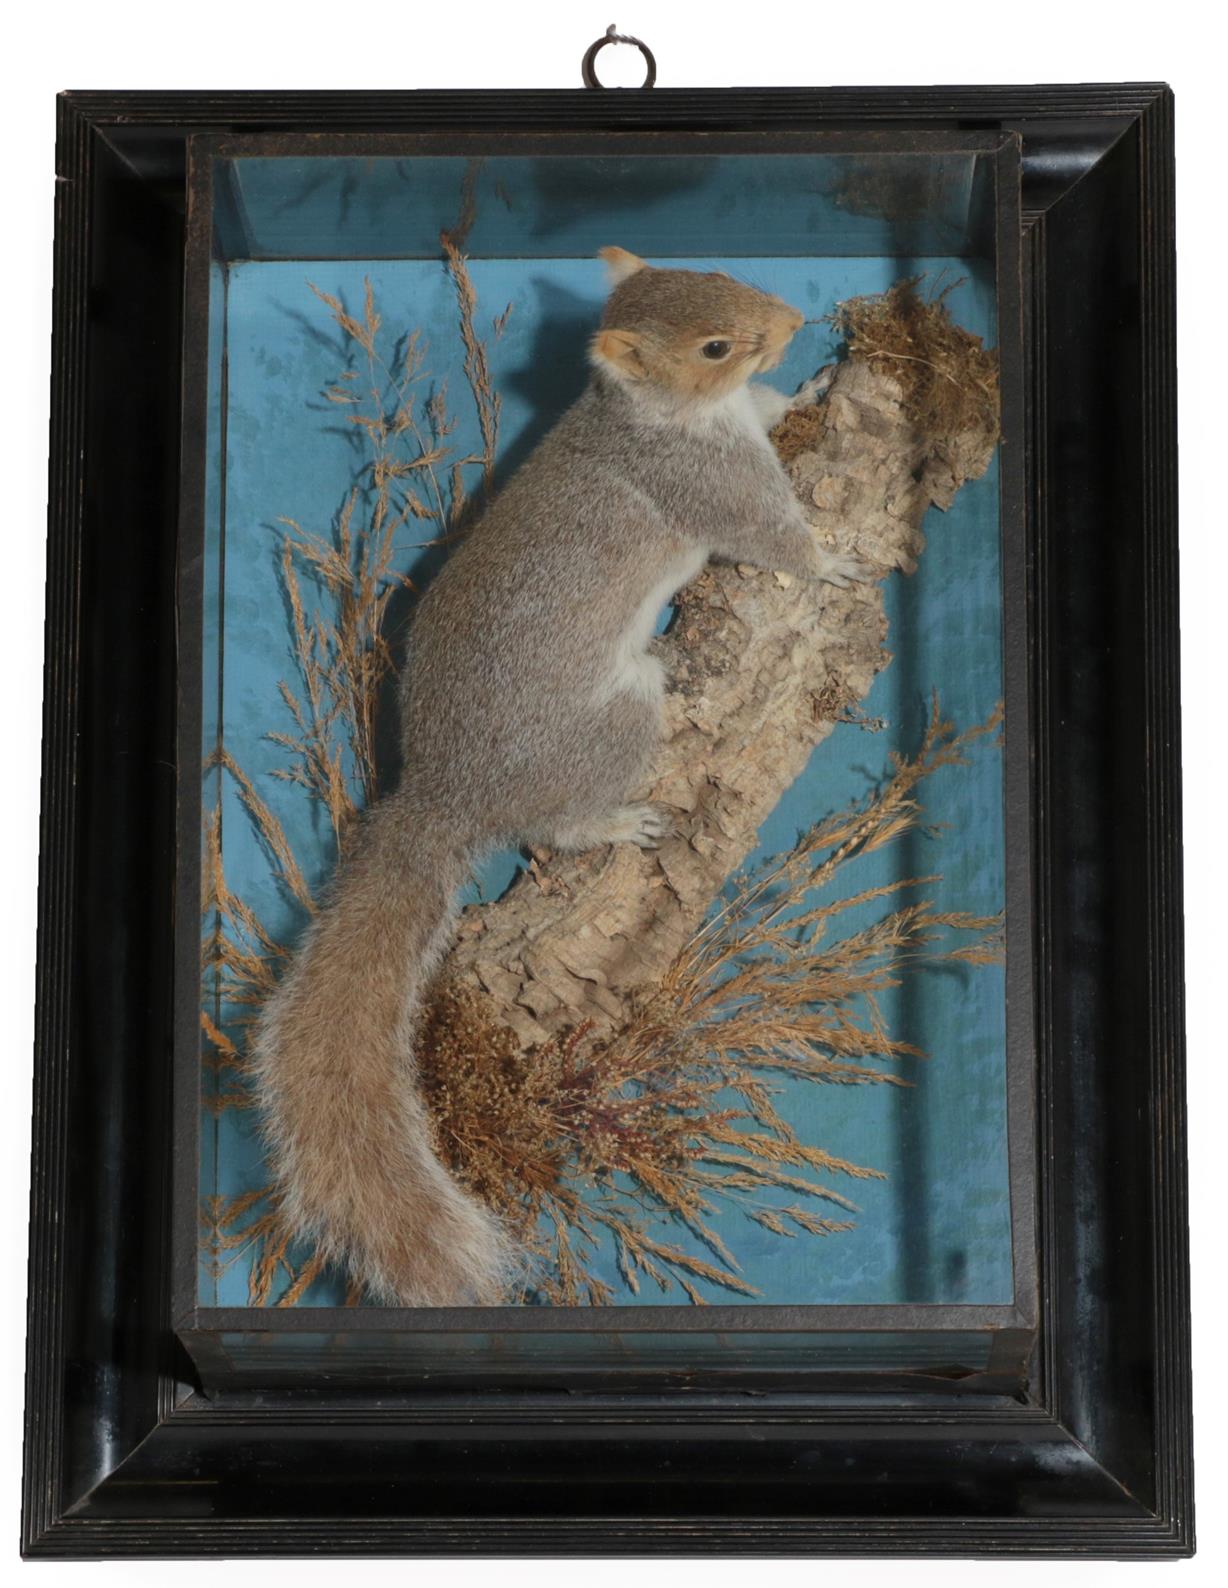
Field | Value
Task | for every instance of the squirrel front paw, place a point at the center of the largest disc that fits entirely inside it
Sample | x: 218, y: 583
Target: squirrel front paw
x: 811, y: 391
x: 770, y: 405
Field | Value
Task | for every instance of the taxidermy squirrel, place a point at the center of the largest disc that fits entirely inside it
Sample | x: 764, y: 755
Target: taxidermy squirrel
x: 531, y: 706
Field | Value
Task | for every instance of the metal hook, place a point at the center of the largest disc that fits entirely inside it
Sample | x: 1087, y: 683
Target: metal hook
x: 588, y: 70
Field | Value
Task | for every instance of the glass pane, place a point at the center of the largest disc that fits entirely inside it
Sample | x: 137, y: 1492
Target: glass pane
x: 304, y: 243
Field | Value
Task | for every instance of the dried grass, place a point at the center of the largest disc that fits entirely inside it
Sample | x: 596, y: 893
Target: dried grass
x: 579, y: 1140
x: 677, y: 1115
x: 338, y: 585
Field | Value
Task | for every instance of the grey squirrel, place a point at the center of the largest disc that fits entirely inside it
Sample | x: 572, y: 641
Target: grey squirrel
x: 531, y: 706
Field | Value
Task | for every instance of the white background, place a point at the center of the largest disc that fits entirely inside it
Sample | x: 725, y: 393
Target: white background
x: 259, y: 44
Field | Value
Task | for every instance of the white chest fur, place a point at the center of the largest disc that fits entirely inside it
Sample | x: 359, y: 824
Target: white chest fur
x: 748, y: 412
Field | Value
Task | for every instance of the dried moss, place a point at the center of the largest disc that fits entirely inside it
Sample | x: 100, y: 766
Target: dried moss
x: 799, y: 431
x: 948, y: 378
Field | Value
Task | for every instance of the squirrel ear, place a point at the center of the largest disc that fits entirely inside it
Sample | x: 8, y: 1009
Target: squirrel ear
x: 621, y: 349
x: 620, y: 263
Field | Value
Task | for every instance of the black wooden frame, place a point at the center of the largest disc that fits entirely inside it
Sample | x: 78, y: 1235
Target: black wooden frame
x: 125, y: 1454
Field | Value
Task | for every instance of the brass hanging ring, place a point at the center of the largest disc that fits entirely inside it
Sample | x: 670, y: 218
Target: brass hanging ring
x: 588, y: 68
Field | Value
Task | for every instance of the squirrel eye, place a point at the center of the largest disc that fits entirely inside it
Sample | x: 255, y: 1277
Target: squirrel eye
x: 716, y: 350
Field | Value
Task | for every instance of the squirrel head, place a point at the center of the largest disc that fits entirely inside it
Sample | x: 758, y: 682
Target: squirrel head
x: 696, y: 334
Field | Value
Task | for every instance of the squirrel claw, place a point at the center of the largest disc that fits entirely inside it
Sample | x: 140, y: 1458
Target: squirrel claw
x: 641, y: 825
x: 842, y: 571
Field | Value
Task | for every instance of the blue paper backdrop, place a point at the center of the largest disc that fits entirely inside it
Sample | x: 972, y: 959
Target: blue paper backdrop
x: 937, y: 1229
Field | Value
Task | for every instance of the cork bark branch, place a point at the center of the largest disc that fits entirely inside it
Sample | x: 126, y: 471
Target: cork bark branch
x: 761, y: 668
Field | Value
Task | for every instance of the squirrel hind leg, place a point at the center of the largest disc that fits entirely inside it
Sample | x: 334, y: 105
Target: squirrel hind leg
x: 643, y: 825
x: 610, y: 758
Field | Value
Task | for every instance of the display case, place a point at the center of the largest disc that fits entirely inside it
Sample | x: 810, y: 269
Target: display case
x: 321, y: 299
x: 902, y: 1266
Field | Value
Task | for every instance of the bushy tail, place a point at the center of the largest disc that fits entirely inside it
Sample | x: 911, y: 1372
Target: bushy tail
x: 334, y: 1066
